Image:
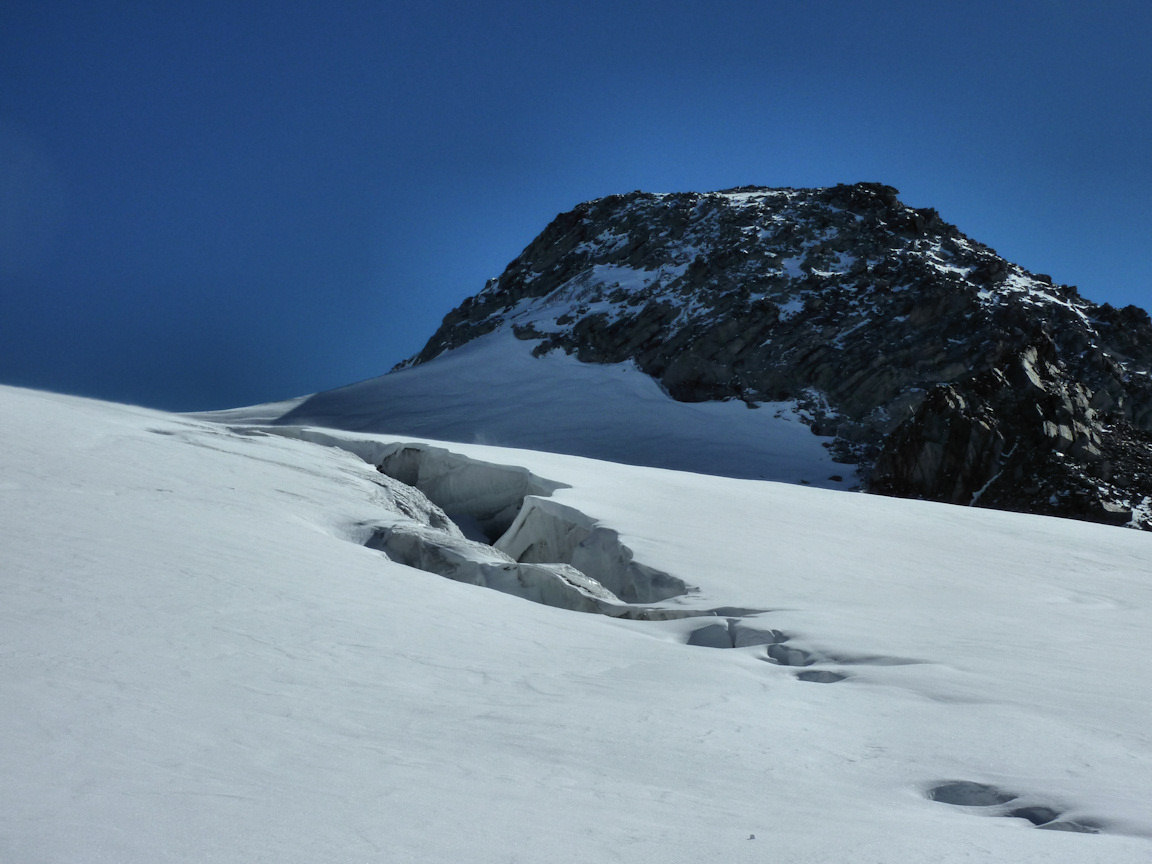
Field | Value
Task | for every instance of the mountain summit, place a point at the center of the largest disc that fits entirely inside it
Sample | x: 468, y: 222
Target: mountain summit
x: 933, y: 367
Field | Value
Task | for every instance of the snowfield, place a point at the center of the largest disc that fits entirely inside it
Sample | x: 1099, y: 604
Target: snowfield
x: 493, y: 391
x: 203, y: 659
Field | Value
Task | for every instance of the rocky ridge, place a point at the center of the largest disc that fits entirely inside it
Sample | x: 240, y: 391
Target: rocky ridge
x: 944, y: 371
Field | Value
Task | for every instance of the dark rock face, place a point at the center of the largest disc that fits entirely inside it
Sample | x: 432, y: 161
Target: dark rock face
x: 1020, y: 436
x: 945, y: 371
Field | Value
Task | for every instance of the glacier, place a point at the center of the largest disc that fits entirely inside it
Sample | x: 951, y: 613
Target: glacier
x: 203, y: 658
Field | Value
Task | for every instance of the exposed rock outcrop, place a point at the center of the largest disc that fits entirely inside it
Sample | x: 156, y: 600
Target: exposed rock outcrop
x: 943, y: 370
x: 1021, y: 436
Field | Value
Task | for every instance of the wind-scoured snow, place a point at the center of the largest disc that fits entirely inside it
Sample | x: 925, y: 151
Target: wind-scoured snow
x: 201, y: 661
x: 492, y: 390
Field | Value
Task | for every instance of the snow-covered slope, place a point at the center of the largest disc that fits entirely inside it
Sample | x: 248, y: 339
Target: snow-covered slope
x: 202, y: 661
x: 493, y: 390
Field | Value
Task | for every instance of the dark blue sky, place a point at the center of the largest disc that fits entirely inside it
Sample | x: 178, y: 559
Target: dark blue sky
x: 218, y: 203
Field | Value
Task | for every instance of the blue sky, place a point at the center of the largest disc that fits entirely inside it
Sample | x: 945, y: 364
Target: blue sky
x: 218, y: 203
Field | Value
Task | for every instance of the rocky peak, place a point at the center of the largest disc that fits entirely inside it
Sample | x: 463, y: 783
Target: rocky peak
x: 945, y: 371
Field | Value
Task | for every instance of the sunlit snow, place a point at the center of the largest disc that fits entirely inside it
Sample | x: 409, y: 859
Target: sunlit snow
x: 201, y: 661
